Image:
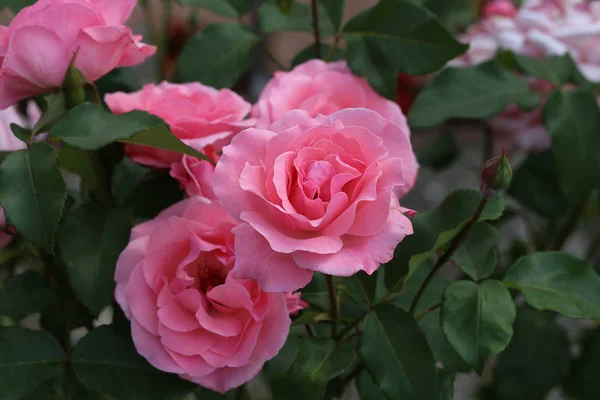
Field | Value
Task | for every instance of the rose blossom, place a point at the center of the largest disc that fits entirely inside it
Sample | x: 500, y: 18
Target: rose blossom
x: 294, y: 302
x: 195, y: 176
x: 40, y: 42
x: 540, y: 28
x: 316, y: 195
x: 8, y: 140
x: 201, y: 116
x: 188, y: 314
x: 318, y: 87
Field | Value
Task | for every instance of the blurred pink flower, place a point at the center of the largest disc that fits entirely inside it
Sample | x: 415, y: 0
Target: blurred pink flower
x: 294, y: 302
x: 539, y: 28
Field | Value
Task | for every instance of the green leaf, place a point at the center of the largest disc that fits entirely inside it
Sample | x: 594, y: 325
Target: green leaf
x: 446, y: 382
x: 33, y: 193
x: 226, y: 8
x: 472, y: 92
x: 25, y: 294
x: 535, y: 361
x: 118, y: 80
x: 356, y: 294
x: 455, y: 14
x: 89, y: 127
x: 440, y: 153
x: 127, y: 175
x: 310, y: 52
x: 430, y: 323
x: 535, y: 185
x: 271, y: 19
x: 81, y: 163
x: 217, y: 56
x: 55, y: 109
x: 335, y: 10
x: 152, y: 194
x: 408, y: 36
x: 583, y: 379
x: 28, y: 358
x: 307, y: 366
x: 107, y: 362
x: 371, y: 62
x: 396, y: 353
x: 477, y: 319
x: 557, y: 281
x: 573, y: 120
x: 91, y: 239
x: 367, y: 388
x: 434, y: 229
x: 24, y: 135
x: 477, y: 255
x: 554, y: 69
x: 17, y: 5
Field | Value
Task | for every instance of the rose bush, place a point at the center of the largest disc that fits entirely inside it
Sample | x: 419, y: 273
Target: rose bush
x: 153, y: 237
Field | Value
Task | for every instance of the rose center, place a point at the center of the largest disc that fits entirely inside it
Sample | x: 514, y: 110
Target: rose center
x: 210, y: 273
x: 317, y: 179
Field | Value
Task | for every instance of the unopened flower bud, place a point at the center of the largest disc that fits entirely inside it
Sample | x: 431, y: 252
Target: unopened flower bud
x: 496, y: 174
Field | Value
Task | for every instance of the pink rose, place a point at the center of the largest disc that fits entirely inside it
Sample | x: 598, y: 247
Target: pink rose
x: 8, y: 140
x: 201, y: 116
x: 195, y: 176
x: 38, y: 45
x: 188, y: 314
x: 323, y: 88
x: 505, y: 8
x: 539, y: 28
x: 5, y: 236
x: 294, y: 302
x: 316, y: 195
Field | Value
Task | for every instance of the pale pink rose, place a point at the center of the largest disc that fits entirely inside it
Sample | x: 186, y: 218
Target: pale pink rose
x: 8, y: 140
x: 539, y: 28
x: 323, y: 88
x: 201, y: 116
x: 316, y: 195
x: 188, y: 314
x: 294, y: 302
x: 5, y: 235
x: 195, y: 176
x: 40, y: 42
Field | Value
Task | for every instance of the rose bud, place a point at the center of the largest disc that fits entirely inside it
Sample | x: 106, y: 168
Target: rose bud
x: 496, y: 174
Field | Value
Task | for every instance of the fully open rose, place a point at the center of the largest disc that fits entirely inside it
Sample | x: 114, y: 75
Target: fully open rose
x: 323, y: 88
x: 188, y: 314
x: 316, y: 195
x: 39, y: 44
x: 201, y: 116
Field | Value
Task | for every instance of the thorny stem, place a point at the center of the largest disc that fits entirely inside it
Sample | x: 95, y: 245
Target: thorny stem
x: 164, y: 39
x: 333, y: 305
x: 315, y: 17
x: 456, y: 242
